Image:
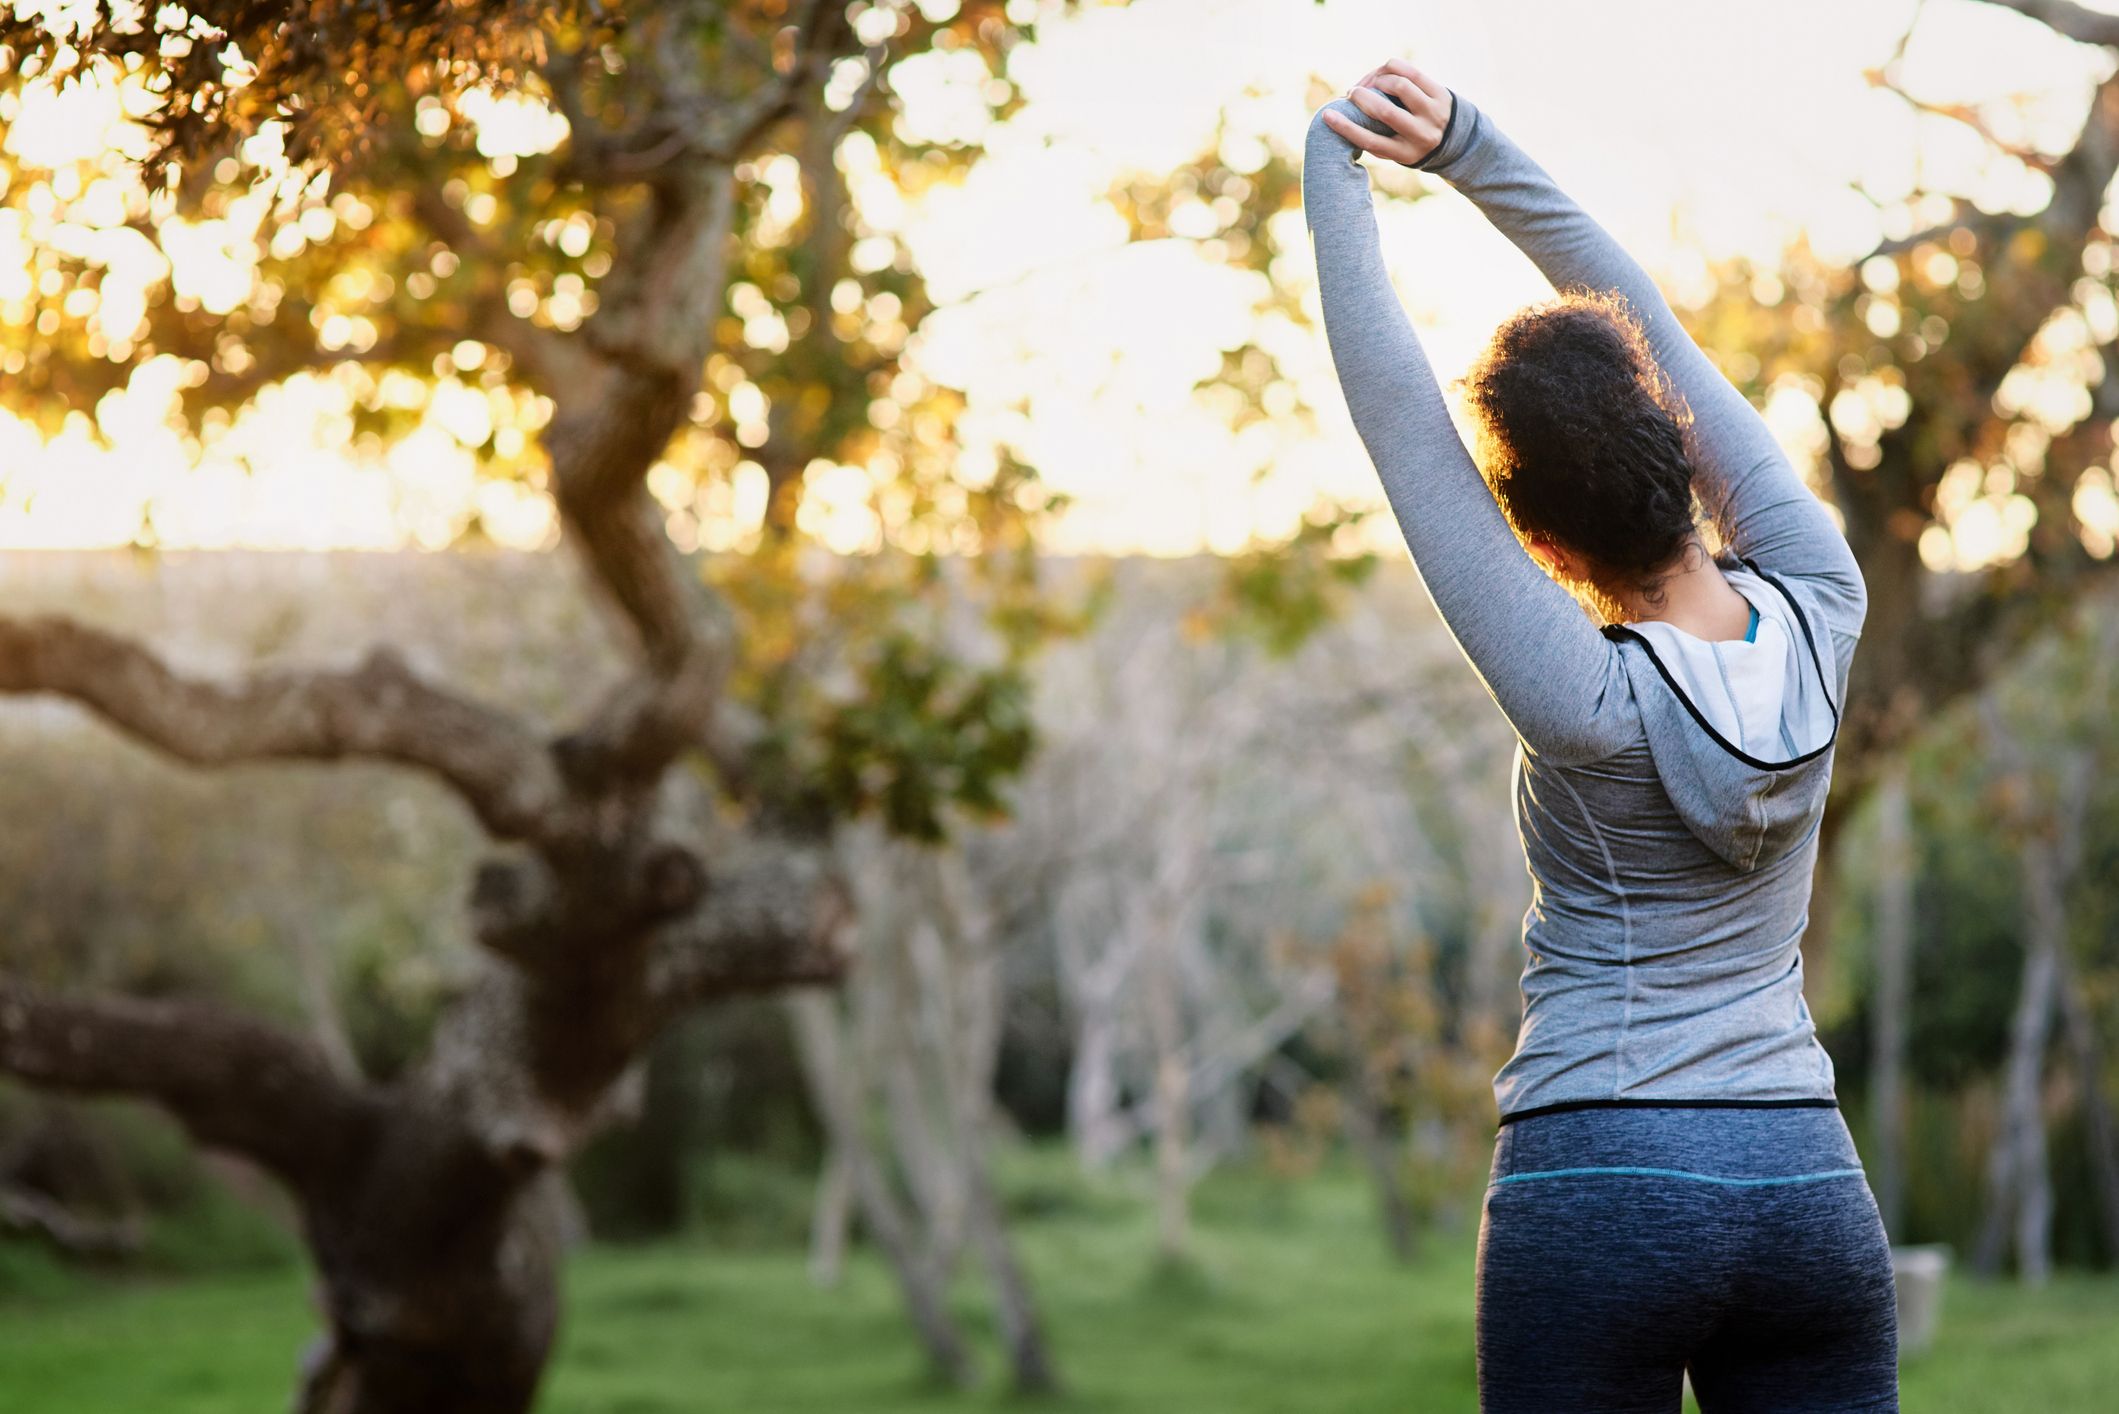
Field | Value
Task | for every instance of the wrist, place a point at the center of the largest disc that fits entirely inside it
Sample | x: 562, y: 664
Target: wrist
x: 1459, y: 131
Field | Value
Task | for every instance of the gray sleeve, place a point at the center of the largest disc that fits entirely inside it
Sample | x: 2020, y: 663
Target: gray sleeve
x: 1743, y: 478
x: 1554, y: 676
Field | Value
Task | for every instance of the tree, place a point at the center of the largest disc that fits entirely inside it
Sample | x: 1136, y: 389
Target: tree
x: 1961, y: 376
x: 906, y: 1055
x: 2045, y: 811
x: 638, y: 320
x: 1893, y: 990
x: 1960, y: 373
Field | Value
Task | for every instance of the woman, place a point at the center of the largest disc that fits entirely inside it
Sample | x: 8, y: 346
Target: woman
x: 1673, y: 1186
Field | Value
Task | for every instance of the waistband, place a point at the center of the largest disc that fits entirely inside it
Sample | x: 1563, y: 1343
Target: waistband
x: 1743, y: 1145
x: 1568, y: 1106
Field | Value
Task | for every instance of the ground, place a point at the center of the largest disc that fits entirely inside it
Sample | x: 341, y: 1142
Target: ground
x: 1291, y: 1306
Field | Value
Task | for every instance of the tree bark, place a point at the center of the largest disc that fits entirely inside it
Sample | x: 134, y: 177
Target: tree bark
x: 2019, y: 1177
x: 434, y: 1207
x: 1030, y: 1365
x: 967, y: 975
x: 1365, y: 1125
x: 919, y: 1283
x: 439, y: 1280
x: 2088, y: 1054
x: 1094, y: 1118
x: 1893, y: 992
x: 830, y: 1218
x: 42, y: 1217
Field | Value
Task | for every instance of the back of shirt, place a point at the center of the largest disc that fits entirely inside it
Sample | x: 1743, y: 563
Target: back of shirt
x: 1671, y: 879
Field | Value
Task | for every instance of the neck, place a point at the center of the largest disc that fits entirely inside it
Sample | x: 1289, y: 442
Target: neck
x: 1691, y: 594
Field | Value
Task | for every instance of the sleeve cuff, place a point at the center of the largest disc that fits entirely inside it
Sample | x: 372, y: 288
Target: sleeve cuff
x: 1458, y: 135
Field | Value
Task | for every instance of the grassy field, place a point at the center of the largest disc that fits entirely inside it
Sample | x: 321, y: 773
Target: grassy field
x: 1291, y: 1307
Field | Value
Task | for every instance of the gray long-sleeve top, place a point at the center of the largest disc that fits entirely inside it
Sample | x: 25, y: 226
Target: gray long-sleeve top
x: 1671, y: 864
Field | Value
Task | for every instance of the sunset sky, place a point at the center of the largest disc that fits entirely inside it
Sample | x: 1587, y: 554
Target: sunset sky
x: 1695, y: 129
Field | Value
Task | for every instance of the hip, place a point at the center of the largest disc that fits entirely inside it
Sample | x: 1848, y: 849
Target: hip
x: 1619, y: 1247
x: 1760, y: 1206
x: 1734, y: 1144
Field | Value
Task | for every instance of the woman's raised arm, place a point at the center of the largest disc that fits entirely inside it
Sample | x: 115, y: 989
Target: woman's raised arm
x: 1558, y: 681
x: 1745, y: 479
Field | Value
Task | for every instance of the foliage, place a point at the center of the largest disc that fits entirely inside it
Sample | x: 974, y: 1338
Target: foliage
x: 1950, y: 394
x: 392, y: 243
x: 1238, y: 204
x: 1890, y: 355
x: 1416, y: 1069
x: 1281, y: 594
x: 1967, y: 958
x: 723, y: 1142
x: 322, y: 73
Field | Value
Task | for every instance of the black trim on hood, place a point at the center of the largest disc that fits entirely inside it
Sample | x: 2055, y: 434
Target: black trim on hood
x: 1616, y: 632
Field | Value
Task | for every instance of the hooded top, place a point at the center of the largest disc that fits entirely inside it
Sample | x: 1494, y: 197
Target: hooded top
x: 1763, y: 718
x: 1667, y: 789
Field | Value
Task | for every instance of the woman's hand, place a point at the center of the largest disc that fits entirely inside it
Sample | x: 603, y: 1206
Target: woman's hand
x: 1416, y: 128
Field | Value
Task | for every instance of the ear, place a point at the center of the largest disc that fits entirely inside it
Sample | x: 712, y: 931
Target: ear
x: 1557, y: 562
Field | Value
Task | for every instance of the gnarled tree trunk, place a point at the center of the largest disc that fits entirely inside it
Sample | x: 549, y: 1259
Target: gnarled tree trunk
x: 433, y: 1206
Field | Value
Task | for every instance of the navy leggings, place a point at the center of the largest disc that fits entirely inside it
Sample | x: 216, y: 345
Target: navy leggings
x: 1621, y: 1248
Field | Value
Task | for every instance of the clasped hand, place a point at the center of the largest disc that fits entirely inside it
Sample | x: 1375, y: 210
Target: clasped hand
x: 1416, y: 126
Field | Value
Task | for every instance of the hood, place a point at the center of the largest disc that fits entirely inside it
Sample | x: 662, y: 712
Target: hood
x: 1741, y: 732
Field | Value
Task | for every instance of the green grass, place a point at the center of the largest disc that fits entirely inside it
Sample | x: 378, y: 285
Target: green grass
x: 1290, y: 1306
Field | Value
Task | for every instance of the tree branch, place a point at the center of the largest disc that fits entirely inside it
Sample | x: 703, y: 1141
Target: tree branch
x: 235, y: 1083
x: 1964, y: 114
x: 775, y: 915
x: 689, y: 126
x: 2064, y: 17
x: 2080, y: 180
x: 652, y: 332
x: 652, y: 717
x: 822, y: 35
x: 27, y: 1211
x: 380, y: 710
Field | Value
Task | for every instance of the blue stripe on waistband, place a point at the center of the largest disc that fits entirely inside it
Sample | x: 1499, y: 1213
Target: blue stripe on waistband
x: 1680, y: 1173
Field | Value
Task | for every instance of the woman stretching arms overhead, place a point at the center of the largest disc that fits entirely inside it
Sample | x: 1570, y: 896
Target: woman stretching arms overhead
x: 1673, y: 1186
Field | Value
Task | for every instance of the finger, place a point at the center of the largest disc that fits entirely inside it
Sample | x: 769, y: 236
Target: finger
x: 1367, y: 139
x: 1418, y: 99
x: 1406, y: 69
x: 1369, y: 101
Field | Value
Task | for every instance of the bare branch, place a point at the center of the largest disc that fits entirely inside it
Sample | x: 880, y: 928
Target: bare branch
x: 653, y: 332
x: 380, y: 710
x: 1991, y: 229
x: 623, y: 544
x: 2080, y: 180
x: 822, y: 36
x: 1965, y: 114
x: 23, y: 1210
x: 775, y: 915
x: 650, y: 720
x: 597, y: 156
x: 235, y: 1083
x: 876, y: 57
x: 2077, y: 22
x: 690, y: 126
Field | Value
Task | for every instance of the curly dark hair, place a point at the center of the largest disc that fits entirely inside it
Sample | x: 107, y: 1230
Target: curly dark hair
x: 1581, y: 436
